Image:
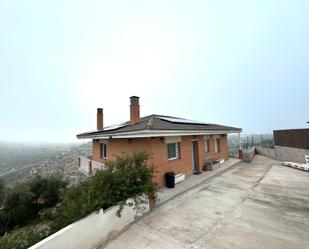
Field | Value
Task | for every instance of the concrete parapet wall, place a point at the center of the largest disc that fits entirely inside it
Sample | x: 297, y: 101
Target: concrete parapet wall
x: 90, y: 231
x: 284, y: 153
x: 248, y: 154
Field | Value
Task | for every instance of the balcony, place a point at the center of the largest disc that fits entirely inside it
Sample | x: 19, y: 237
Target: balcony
x: 88, y: 167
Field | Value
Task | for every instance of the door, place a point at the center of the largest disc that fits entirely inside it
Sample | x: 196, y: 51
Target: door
x: 195, y: 161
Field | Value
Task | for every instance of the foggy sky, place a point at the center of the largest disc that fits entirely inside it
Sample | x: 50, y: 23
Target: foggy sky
x: 239, y: 63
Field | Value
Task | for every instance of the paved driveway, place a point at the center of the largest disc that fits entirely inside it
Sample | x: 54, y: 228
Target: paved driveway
x: 250, y: 206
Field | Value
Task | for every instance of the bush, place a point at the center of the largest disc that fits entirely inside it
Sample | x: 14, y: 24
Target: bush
x: 47, y: 191
x: 22, y: 240
x: 17, y: 196
x: 17, y: 207
x: 23, y: 201
x: 128, y: 176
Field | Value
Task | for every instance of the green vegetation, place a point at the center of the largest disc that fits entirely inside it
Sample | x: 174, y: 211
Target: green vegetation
x: 129, y: 176
x: 46, y: 191
x: 23, y: 239
x: 23, y: 201
x: 126, y: 177
x: 1, y: 191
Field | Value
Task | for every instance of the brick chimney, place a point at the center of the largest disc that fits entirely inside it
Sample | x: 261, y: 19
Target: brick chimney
x: 134, y: 110
x: 100, y: 119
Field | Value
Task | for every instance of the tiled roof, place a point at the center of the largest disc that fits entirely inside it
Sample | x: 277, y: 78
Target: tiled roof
x: 159, y: 123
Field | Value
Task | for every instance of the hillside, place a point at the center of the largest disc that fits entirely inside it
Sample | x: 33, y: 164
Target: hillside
x: 19, y: 161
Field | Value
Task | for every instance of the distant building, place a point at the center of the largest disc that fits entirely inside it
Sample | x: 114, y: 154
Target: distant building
x: 296, y: 138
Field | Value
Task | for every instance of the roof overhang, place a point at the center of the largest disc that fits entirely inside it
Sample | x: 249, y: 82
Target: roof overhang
x: 156, y: 133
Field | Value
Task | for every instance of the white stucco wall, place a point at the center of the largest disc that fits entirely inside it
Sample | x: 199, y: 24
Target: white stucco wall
x: 249, y: 154
x: 89, y: 231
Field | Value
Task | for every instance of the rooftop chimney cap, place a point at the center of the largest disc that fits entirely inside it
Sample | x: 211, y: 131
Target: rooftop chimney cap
x: 99, y: 110
x: 134, y: 100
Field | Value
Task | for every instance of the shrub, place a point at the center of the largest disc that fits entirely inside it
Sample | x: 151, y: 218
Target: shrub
x: 47, y: 191
x: 75, y: 205
x: 128, y: 176
x: 22, y: 239
x: 18, y: 195
x: 18, y: 207
x: 23, y: 201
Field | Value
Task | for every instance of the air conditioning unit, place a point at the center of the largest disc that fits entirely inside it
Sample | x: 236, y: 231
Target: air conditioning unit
x: 179, y: 178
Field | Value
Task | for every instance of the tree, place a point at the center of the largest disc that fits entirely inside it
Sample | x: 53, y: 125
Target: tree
x: 47, y: 191
x: 18, y: 195
x: 23, y: 201
x: 18, y: 207
x: 128, y: 176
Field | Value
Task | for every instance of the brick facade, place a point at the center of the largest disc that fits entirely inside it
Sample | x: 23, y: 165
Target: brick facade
x: 134, y: 110
x: 157, y: 149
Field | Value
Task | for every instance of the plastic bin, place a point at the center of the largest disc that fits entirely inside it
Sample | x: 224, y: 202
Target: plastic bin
x: 170, y: 179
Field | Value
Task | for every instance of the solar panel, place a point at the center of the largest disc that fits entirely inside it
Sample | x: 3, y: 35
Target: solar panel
x: 114, y: 127
x: 181, y: 120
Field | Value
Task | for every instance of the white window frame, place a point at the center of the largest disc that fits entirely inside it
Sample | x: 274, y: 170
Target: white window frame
x: 216, y: 145
x: 176, y: 151
x: 104, y: 151
x: 207, y: 145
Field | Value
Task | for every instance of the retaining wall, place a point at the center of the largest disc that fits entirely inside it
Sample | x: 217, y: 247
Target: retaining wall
x: 90, y: 231
x: 284, y: 153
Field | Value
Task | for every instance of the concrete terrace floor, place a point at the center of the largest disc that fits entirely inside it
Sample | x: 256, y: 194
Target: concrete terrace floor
x: 191, y: 181
x: 253, y: 205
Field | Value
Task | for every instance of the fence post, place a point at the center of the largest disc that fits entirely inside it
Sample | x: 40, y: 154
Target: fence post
x: 90, y: 167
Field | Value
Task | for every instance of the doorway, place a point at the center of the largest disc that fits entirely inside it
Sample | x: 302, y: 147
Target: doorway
x: 195, y: 157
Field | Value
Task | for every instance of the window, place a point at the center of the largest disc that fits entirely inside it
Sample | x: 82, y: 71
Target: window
x: 103, y: 151
x: 217, y: 145
x: 207, y: 148
x: 173, y: 151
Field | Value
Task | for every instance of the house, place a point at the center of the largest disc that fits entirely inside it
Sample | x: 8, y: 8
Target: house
x: 175, y: 144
